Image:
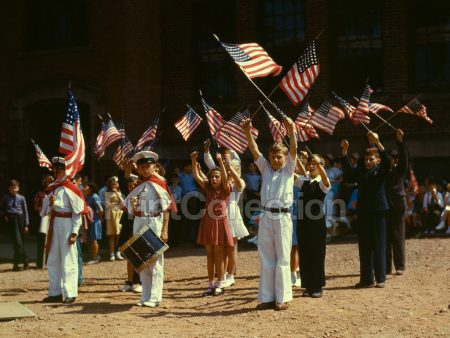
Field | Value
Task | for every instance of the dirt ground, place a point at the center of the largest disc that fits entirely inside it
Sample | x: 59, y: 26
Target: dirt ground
x: 414, y: 305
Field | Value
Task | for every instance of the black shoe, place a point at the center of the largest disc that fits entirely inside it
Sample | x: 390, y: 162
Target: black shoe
x: 265, y: 306
x: 208, y: 292
x: 53, y: 299
x: 306, y: 293
x: 69, y: 300
x: 26, y: 265
x: 362, y: 285
x: 16, y: 268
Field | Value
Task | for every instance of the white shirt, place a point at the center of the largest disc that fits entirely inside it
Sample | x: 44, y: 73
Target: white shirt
x: 299, y: 182
x: 333, y: 173
x: 276, y: 187
x: 427, y: 199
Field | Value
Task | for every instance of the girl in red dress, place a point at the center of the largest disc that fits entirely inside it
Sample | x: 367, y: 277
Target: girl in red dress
x: 214, y: 232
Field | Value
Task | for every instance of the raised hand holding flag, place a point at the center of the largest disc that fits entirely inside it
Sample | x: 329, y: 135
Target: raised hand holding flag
x: 188, y: 123
x: 42, y: 159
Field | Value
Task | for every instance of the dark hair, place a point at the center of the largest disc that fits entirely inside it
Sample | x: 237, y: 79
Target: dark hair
x: 92, y: 186
x: 174, y: 175
x: 211, y: 171
x: 13, y: 183
x: 372, y: 151
x: 77, y: 177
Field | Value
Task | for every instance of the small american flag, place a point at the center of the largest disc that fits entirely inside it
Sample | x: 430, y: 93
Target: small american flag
x: 149, y: 135
x: 124, y: 152
x: 362, y: 110
x: 304, y: 115
x: 413, y: 181
x: 348, y: 108
x: 252, y: 59
x: 276, y: 127
x: 415, y: 107
x: 107, y: 136
x: 306, y: 132
x: 326, y: 117
x: 42, y: 159
x: 222, y: 137
x: 377, y: 107
x: 300, y: 78
x: 75, y: 159
x: 235, y: 130
x: 188, y: 123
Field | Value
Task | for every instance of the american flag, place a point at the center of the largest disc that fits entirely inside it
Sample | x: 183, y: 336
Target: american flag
x: 124, y: 151
x: 415, y: 107
x: 223, y: 137
x: 277, y: 129
x: 42, y: 159
x: 252, y: 59
x: 306, y: 132
x: 326, y: 117
x: 107, y: 136
x: 362, y: 110
x: 304, y: 115
x: 377, y: 107
x: 148, y: 135
x: 348, y: 108
x: 188, y: 123
x: 300, y: 78
x: 235, y: 130
x: 75, y: 159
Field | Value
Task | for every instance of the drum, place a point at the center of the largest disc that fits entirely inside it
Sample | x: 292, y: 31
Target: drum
x: 143, y: 249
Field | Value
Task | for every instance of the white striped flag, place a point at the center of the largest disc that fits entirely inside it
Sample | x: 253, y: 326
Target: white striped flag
x: 304, y: 115
x: 252, y: 59
x: 362, y: 110
x: 300, y: 78
x: 149, y: 135
x: 377, y: 107
x: 188, y: 123
x: 326, y: 117
x: 415, y: 107
x: 107, y: 136
x: 306, y: 133
x: 277, y: 129
x: 348, y: 108
x: 124, y: 151
x: 42, y: 159
x: 75, y: 159
x: 216, y: 124
x: 234, y: 129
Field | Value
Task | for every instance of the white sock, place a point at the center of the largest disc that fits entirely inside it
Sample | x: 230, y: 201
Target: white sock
x: 220, y: 284
x: 211, y: 284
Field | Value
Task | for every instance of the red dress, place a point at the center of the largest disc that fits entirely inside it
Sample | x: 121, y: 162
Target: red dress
x: 214, y: 229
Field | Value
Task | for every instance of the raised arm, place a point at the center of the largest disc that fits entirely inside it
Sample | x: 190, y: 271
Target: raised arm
x: 250, y: 140
x: 240, y: 184
x: 195, y: 172
x: 290, y: 127
x: 322, y: 172
x: 200, y: 172
x: 349, y: 172
x: 207, y: 158
x: 301, y: 167
x: 402, y: 153
x: 223, y: 171
x: 385, y: 163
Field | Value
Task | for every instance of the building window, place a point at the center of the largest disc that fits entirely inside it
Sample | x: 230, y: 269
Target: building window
x: 283, y: 29
x: 358, y: 51
x: 430, y: 30
x: 56, y: 24
x: 215, y: 71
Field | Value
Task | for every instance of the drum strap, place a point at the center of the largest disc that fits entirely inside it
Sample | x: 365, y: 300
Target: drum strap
x: 146, y: 214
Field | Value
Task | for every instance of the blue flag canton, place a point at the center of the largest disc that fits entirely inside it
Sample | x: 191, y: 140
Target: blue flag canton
x: 414, y: 105
x: 205, y: 105
x: 305, y: 109
x: 344, y: 103
x: 324, y: 108
x: 240, y: 116
x: 236, y: 52
x: 282, y: 114
x: 191, y: 115
x: 308, y: 58
x: 72, y: 115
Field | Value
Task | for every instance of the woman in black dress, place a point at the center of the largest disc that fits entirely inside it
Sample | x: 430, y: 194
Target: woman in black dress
x: 311, y: 228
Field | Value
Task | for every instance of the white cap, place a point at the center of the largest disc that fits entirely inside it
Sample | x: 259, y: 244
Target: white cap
x: 58, y: 161
x: 145, y: 157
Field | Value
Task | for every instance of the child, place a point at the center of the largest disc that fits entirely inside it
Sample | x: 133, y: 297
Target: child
x: 214, y: 232
x: 113, y: 203
x: 235, y: 221
x: 371, y: 208
x: 175, y: 233
x: 150, y: 204
x: 445, y: 216
x: 275, y: 226
x: 132, y: 284
x: 95, y: 226
x: 433, y: 204
x: 65, y: 204
x: 13, y: 208
x: 312, y: 231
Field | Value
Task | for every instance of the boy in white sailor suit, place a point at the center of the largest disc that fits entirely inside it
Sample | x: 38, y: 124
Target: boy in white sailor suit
x: 150, y: 203
x: 275, y: 226
x: 64, y: 204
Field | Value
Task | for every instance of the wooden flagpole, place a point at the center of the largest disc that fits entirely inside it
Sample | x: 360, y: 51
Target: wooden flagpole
x: 397, y: 112
x: 278, y: 129
x: 382, y: 119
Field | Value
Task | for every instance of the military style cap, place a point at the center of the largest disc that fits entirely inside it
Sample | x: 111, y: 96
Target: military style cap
x: 58, y: 162
x: 143, y: 157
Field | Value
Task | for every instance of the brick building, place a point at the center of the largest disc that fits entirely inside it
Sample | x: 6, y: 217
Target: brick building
x: 132, y: 58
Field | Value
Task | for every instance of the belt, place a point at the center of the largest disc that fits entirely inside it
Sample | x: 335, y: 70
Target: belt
x: 277, y: 210
x: 53, y: 215
x: 148, y: 214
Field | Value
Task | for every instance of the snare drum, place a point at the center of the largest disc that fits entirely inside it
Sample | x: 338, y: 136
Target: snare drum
x: 143, y: 249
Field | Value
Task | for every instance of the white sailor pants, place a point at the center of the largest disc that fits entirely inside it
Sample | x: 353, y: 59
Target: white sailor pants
x: 274, y: 247
x: 62, y: 261
x: 152, y: 277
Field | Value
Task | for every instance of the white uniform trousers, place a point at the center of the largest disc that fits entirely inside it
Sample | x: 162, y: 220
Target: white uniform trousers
x: 152, y: 277
x: 62, y: 261
x: 274, y: 246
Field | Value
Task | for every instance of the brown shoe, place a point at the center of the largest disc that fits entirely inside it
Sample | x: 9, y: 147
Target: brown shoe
x: 265, y: 306
x: 281, y: 306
